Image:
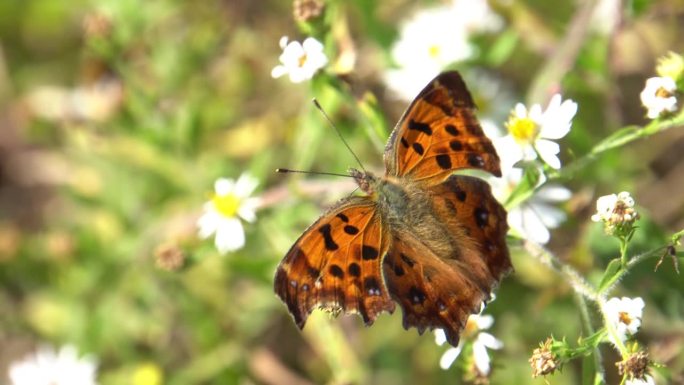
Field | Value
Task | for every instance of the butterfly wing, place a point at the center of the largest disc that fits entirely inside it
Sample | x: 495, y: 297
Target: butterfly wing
x: 439, y: 133
x: 439, y: 292
x: 336, y: 264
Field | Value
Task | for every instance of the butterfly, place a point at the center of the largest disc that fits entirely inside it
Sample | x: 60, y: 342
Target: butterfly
x: 423, y: 237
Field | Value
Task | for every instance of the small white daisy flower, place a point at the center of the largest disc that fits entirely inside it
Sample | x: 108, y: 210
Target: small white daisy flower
x: 300, y: 60
x: 230, y: 202
x: 47, y: 367
x: 659, y: 96
x: 534, y: 130
x: 647, y: 380
x: 625, y: 315
x: 481, y: 342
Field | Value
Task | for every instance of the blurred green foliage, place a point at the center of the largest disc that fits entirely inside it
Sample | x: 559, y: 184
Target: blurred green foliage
x: 153, y: 100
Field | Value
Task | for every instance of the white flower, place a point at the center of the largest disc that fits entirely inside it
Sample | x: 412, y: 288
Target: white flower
x: 434, y: 38
x: 300, y: 61
x: 659, y: 96
x: 47, y: 367
x: 647, y: 380
x: 481, y: 342
x: 625, y: 315
x: 222, y: 213
x: 534, y: 130
x: 533, y: 218
x: 616, y: 212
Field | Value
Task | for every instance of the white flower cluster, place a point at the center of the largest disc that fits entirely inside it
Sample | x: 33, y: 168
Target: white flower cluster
x: 615, y: 211
x: 300, y: 61
x: 659, y: 96
x: 625, y: 315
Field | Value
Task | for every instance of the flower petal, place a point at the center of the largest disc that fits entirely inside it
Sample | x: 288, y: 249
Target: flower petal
x: 449, y: 357
x: 230, y: 235
x: 481, y: 358
x: 548, y: 150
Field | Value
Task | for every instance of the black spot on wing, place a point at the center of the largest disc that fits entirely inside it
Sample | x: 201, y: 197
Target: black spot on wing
x: 351, y: 230
x: 475, y: 160
x: 443, y: 161
x: 369, y: 252
x: 418, y: 126
x: 418, y: 148
x: 354, y: 269
x: 416, y: 295
x: 404, y: 142
x: 330, y: 244
x: 481, y: 216
x: 451, y: 129
x: 456, y: 145
x: 336, y: 271
x: 343, y: 217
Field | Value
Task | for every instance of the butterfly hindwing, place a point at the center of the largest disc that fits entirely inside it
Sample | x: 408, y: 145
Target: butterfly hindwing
x: 432, y: 292
x: 469, y: 206
x: 336, y: 264
x: 443, y: 290
x: 439, y: 133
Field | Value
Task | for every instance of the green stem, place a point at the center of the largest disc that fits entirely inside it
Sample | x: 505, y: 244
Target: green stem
x: 623, y: 251
x: 621, y: 137
x: 578, y: 283
x: 589, y: 329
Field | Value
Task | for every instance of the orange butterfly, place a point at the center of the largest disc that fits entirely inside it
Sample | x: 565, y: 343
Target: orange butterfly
x: 431, y: 241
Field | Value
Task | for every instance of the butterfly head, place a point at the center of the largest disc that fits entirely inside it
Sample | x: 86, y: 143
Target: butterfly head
x: 366, y: 181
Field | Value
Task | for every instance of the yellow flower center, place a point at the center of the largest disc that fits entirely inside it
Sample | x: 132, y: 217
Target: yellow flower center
x: 227, y: 205
x: 523, y: 130
x: 624, y: 318
x: 663, y: 93
x: 302, y: 60
x: 434, y: 51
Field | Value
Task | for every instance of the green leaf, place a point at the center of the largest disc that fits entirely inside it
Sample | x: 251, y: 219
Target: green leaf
x: 611, y: 275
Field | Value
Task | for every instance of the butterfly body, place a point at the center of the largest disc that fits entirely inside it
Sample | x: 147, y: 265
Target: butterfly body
x: 432, y: 241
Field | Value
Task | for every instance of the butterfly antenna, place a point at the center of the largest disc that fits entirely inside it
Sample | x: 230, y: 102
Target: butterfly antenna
x: 287, y: 170
x: 318, y: 105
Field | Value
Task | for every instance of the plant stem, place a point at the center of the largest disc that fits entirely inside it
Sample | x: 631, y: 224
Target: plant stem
x: 578, y: 283
x: 589, y: 329
x: 623, y: 251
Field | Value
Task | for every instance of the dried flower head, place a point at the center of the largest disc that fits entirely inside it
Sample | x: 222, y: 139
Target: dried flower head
x: 305, y: 10
x: 616, y: 212
x: 169, y: 257
x: 635, y: 365
x: 543, y: 360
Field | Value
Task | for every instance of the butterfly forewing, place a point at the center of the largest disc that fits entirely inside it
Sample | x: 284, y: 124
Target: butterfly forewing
x: 336, y: 264
x: 439, y: 133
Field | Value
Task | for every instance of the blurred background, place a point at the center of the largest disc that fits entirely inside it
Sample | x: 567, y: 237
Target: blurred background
x: 117, y: 117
